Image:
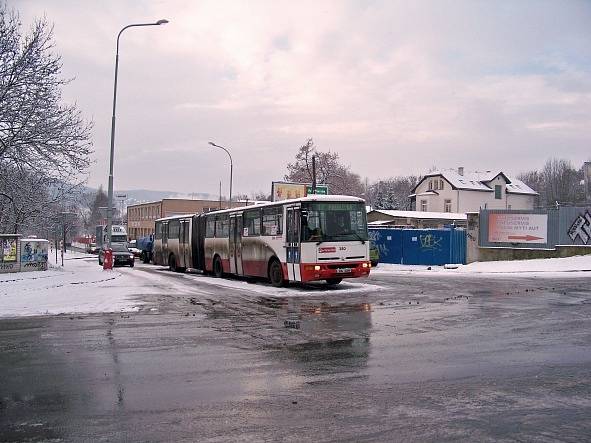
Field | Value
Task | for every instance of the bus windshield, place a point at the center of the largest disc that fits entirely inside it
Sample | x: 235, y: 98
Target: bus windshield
x: 333, y: 221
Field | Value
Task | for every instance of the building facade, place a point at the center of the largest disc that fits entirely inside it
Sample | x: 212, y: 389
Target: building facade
x: 461, y: 192
x: 141, y: 217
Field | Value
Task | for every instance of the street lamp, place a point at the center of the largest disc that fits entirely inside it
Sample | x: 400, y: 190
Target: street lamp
x: 110, y: 196
x: 231, y: 167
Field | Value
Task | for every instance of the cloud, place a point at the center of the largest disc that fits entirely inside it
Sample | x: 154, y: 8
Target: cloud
x: 484, y: 84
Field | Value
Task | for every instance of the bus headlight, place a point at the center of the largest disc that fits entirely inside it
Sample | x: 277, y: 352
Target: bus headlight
x: 366, y: 265
x: 317, y: 268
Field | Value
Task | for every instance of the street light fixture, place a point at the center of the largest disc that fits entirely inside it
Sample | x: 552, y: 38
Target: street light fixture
x: 110, y: 195
x: 231, y: 168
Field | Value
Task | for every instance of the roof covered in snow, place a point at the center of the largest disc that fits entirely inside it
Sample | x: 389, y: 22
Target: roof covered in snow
x: 422, y: 215
x: 479, y: 181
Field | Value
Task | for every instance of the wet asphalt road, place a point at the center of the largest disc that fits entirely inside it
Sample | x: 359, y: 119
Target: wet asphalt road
x: 409, y: 358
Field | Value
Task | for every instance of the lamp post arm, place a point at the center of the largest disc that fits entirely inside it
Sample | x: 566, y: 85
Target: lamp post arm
x: 231, y: 168
x: 113, y: 120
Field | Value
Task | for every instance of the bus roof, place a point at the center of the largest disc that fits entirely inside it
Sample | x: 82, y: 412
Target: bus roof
x: 312, y: 198
x: 173, y: 217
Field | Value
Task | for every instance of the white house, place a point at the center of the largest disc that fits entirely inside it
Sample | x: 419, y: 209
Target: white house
x: 449, y: 190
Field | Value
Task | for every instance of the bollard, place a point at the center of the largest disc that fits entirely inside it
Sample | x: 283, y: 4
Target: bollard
x: 108, y: 261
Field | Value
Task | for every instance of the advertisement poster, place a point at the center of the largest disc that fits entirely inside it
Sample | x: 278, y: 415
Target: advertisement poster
x: 8, y: 250
x: 518, y: 228
x: 286, y: 191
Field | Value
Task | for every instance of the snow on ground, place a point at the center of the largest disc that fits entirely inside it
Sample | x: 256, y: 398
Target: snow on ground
x: 348, y: 286
x: 263, y: 288
x: 81, y: 286
x: 545, y: 267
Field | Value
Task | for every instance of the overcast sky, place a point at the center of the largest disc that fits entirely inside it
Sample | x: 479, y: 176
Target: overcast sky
x: 394, y: 87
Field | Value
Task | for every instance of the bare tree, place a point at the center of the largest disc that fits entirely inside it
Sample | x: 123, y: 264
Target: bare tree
x: 329, y: 171
x: 558, y: 182
x: 44, y: 144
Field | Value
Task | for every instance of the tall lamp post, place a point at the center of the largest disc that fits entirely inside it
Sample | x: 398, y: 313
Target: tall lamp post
x: 231, y: 168
x: 110, y: 195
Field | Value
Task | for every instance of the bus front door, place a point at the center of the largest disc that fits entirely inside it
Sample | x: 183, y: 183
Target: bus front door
x: 235, y: 244
x: 292, y: 246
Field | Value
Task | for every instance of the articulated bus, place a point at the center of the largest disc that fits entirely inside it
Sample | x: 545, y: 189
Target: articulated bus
x: 312, y: 238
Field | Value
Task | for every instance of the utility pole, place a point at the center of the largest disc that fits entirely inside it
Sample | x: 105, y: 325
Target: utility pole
x: 313, y: 174
x: 587, y: 176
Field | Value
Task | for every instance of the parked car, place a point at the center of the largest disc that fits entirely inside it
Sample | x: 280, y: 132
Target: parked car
x: 121, y: 255
x: 146, y: 246
x: 91, y: 248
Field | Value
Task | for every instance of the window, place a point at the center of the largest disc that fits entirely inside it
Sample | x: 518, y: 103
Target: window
x: 174, y: 228
x: 498, y: 190
x: 273, y: 221
x: 221, y: 226
x: 430, y: 185
x: 447, y: 206
x: 252, y: 223
x: 441, y: 184
x: 424, y: 205
x: 210, y: 227
x: 158, y: 233
x: 333, y: 221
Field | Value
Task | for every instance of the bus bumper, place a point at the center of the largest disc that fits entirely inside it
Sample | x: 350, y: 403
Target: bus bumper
x: 324, y: 271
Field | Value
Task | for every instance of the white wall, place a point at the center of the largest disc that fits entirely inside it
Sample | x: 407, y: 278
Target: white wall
x: 470, y: 201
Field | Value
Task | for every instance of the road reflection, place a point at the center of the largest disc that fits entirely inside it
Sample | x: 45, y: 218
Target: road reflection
x: 323, y: 337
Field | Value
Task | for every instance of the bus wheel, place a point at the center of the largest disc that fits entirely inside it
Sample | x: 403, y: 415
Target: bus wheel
x: 218, y: 270
x: 333, y: 281
x: 276, y: 274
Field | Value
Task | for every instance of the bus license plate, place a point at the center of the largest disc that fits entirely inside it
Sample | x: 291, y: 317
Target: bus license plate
x: 343, y: 270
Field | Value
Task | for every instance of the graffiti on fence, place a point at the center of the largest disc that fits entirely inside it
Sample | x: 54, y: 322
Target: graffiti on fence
x: 431, y: 242
x: 581, y: 228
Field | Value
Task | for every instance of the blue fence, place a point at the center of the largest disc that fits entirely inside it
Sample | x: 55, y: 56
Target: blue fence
x: 420, y: 246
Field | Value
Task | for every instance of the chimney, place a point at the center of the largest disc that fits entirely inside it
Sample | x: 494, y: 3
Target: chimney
x: 461, y: 170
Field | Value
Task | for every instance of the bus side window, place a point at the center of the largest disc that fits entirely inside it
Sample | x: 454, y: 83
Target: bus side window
x: 221, y: 226
x: 252, y: 222
x: 272, y: 221
x: 210, y: 227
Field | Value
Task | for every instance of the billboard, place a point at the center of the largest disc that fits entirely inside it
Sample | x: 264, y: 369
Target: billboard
x: 34, y: 254
x: 8, y: 249
x: 518, y: 228
x: 286, y: 190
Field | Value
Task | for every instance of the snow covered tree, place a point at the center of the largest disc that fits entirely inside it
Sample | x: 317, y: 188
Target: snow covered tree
x: 44, y: 143
x: 329, y: 171
x: 392, y: 193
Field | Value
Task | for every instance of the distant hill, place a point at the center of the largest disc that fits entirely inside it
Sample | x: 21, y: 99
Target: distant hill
x: 135, y: 196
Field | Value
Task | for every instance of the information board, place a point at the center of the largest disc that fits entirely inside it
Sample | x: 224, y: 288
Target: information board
x: 518, y: 228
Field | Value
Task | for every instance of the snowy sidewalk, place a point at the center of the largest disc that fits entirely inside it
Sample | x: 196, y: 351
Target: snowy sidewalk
x: 576, y: 266
x: 81, y: 286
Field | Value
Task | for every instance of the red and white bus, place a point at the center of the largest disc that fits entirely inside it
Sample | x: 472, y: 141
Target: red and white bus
x: 312, y: 238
